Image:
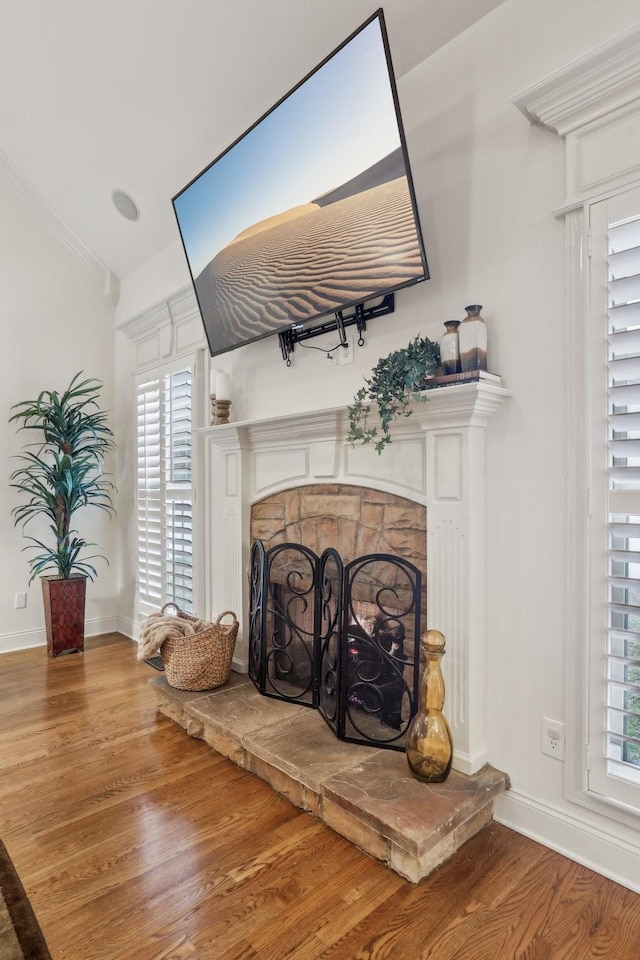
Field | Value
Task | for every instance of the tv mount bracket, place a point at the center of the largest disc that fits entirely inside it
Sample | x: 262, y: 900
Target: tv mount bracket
x: 362, y: 313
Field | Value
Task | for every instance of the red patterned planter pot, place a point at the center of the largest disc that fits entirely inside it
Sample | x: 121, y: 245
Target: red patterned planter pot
x: 64, y: 614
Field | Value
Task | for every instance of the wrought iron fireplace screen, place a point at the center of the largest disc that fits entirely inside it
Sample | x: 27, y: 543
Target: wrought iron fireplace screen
x: 342, y: 638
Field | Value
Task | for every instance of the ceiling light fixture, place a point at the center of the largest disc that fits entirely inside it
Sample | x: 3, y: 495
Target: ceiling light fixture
x: 125, y: 205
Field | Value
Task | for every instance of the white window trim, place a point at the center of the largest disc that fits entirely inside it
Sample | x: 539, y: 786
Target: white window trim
x: 171, y: 332
x: 584, y: 104
x: 167, y: 491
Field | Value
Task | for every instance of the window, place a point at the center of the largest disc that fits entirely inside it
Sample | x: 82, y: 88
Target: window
x: 593, y: 106
x: 614, y: 764
x: 164, y: 487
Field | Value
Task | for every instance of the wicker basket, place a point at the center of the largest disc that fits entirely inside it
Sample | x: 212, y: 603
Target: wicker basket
x: 201, y: 661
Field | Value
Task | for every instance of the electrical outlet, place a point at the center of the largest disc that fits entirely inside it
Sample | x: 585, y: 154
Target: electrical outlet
x: 552, y: 742
x: 333, y: 358
x: 21, y: 601
x: 340, y: 355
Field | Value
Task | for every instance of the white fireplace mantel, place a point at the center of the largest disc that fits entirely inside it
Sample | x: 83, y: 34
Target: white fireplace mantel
x: 437, y: 458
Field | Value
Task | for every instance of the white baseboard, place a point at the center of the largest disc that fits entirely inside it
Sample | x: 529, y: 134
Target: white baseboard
x: 94, y: 628
x: 25, y: 639
x: 240, y: 665
x: 599, y: 849
x: 468, y: 763
x: 129, y: 628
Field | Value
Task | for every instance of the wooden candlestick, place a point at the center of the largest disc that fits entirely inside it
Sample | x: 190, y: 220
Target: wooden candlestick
x: 222, y: 411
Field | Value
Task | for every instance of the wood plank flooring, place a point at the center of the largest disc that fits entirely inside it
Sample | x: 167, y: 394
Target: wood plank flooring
x: 136, y: 842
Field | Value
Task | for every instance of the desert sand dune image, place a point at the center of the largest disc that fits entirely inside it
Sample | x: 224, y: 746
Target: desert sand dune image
x: 275, y: 221
x: 310, y: 261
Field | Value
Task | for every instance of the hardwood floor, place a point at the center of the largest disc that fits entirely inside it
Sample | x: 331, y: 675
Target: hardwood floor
x: 136, y: 842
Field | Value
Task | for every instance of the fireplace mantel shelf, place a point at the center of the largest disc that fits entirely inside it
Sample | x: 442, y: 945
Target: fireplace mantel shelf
x: 461, y: 404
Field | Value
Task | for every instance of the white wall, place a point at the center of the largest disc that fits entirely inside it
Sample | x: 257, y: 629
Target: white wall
x: 55, y: 322
x: 487, y: 183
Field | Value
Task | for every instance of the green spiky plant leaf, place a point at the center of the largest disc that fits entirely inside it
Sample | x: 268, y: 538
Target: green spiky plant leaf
x: 396, y: 381
x: 62, y: 471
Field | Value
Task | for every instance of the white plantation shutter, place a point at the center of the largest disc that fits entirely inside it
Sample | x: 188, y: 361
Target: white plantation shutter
x: 165, y: 494
x: 615, y: 682
x: 149, y: 494
x: 178, y: 513
x: 623, y: 671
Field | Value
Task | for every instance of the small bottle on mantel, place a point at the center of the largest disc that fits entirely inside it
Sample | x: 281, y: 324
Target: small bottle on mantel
x: 472, y: 336
x: 429, y: 741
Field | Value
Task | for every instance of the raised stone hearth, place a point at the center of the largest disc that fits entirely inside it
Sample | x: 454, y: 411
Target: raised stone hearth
x: 365, y: 794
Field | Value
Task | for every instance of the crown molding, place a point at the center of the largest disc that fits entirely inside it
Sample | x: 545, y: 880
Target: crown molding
x: 587, y: 90
x: 32, y: 196
x: 179, y: 307
x: 147, y: 324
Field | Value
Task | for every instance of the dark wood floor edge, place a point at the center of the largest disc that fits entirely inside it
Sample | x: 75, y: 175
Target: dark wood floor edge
x: 24, y: 920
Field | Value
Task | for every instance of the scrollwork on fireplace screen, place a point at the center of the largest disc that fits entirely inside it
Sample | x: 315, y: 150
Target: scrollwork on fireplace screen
x: 341, y: 638
x: 256, y: 633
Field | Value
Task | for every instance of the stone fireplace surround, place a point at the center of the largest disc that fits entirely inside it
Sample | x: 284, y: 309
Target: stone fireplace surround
x: 436, y: 459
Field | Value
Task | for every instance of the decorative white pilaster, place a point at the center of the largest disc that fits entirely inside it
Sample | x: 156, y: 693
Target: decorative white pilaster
x: 454, y: 425
x: 437, y: 458
x: 228, y: 544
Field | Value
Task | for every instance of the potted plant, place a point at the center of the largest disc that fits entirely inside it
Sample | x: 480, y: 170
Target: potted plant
x: 396, y: 381
x: 61, y: 470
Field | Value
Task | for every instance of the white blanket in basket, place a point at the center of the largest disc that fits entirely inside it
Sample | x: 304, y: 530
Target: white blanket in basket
x: 158, y: 627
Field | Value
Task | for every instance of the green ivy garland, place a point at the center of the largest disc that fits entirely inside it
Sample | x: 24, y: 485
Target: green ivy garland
x: 396, y: 380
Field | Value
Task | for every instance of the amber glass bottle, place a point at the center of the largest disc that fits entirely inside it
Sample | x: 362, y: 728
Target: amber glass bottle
x: 429, y: 742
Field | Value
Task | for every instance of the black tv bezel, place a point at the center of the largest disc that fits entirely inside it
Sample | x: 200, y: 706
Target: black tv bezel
x: 377, y: 295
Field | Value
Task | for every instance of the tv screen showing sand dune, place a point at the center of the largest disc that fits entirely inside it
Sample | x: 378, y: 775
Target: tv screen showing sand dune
x: 312, y: 210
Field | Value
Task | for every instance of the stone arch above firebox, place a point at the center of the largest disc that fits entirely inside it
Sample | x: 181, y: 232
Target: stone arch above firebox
x: 355, y: 520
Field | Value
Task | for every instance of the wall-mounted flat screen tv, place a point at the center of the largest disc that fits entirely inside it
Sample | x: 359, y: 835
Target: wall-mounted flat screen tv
x: 313, y: 209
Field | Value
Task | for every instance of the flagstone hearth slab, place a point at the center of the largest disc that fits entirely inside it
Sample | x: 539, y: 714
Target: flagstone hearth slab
x: 230, y: 716
x: 172, y: 703
x: 299, y: 754
x: 364, y: 793
x: 422, y: 824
